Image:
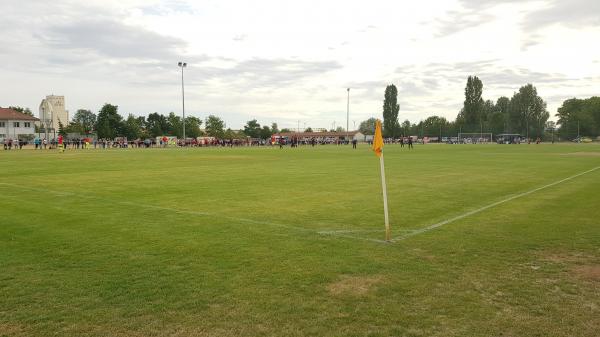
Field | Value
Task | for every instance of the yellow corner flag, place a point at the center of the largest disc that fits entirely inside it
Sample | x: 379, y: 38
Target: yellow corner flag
x: 378, y: 139
x: 378, y: 149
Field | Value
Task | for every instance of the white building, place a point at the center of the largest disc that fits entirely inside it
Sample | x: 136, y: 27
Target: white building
x: 52, y: 112
x: 16, y: 125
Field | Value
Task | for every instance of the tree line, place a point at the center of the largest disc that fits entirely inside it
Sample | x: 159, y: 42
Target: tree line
x: 524, y: 113
x: 108, y: 123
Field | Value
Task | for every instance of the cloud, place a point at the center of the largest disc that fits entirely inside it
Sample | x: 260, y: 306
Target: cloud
x: 489, y: 71
x: 572, y: 13
x: 458, y: 21
x: 473, y: 13
x: 264, y: 73
x: 168, y: 7
x: 111, y: 38
x: 240, y: 38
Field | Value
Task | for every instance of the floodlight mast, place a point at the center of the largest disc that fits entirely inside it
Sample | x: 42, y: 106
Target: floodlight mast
x: 348, y: 113
x: 183, y: 65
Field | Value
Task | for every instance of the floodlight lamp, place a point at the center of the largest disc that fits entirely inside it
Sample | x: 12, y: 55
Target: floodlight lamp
x: 179, y: 64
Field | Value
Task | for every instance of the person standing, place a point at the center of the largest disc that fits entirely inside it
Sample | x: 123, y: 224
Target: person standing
x: 410, y: 143
x: 402, y: 141
x: 61, y: 147
x: 354, y: 143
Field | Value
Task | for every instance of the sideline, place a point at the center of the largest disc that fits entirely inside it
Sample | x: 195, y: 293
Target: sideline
x: 155, y: 207
x: 321, y: 232
x: 479, y: 210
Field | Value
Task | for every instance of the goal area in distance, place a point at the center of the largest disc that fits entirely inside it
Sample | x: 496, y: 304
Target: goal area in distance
x: 475, y: 138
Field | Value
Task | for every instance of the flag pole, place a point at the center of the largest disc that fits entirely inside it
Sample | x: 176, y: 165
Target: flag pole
x: 378, y: 149
x: 385, y: 201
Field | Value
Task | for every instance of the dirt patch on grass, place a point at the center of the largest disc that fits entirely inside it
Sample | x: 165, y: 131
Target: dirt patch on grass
x: 588, y: 272
x: 566, y: 258
x: 354, y: 285
x: 11, y: 330
x: 583, y: 154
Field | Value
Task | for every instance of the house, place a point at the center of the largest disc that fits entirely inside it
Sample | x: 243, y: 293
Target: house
x: 16, y: 125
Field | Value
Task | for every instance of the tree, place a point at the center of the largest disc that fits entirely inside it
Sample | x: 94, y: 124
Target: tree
x: 340, y: 129
x: 284, y: 130
x: 61, y: 129
x: 26, y: 111
x: 109, y: 122
x: 84, y: 121
x: 472, y: 112
x: 579, y: 113
x: 215, y: 127
x: 231, y: 134
x: 390, y: 111
x: 132, y: 128
x: 192, y: 127
x: 406, y: 128
x: 433, y: 126
x: 175, y: 125
x: 503, y: 104
x: 274, y: 128
x: 308, y: 129
x: 367, y: 127
x: 528, y: 111
x: 266, y: 132
x: 252, y: 129
x: 157, y: 125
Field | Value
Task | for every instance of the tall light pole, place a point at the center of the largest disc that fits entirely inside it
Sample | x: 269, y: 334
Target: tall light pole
x: 527, y: 123
x: 348, y: 112
x: 182, y: 65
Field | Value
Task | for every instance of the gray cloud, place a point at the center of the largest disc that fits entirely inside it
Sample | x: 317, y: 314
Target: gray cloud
x: 265, y: 73
x: 490, y: 73
x: 459, y: 21
x: 471, y: 16
x: 111, y: 38
x: 485, y: 4
x: 168, y: 7
x: 573, y: 13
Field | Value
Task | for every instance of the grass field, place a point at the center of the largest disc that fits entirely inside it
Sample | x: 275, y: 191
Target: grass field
x: 270, y: 242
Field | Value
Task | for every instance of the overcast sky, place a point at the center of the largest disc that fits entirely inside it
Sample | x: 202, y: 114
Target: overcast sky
x: 283, y: 61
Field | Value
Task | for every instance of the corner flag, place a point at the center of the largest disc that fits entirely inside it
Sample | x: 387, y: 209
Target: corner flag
x: 378, y: 140
x: 378, y: 149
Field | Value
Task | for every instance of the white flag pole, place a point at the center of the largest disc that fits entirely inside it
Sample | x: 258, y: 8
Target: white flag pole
x: 385, y: 204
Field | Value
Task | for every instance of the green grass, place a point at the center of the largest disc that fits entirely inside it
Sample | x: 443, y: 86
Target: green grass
x: 226, y: 242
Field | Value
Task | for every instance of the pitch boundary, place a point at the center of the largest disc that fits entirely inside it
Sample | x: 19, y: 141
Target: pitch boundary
x: 479, y: 210
x: 345, y: 233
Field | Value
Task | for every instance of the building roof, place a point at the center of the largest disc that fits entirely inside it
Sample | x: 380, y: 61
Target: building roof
x: 317, y: 134
x: 10, y: 114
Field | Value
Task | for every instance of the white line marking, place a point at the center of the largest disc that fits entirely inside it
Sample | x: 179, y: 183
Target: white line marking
x: 174, y: 210
x: 352, y: 237
x: 445, y: 222
x: 412, y: 232
x: 190, y: 212
x: 342, y: 231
